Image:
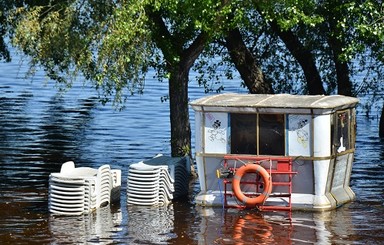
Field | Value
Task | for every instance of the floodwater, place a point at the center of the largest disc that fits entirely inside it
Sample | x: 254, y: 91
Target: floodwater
x: 41, y: 128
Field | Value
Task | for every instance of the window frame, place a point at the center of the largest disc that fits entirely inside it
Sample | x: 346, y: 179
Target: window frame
x: 257, y: 134
x: 337, y: 147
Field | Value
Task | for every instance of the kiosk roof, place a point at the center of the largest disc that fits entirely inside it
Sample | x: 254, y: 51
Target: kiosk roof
x: 276, y: 101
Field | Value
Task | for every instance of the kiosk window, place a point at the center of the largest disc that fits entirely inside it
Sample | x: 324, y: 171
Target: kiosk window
x: 342, y: 140
x: 243, y: 134
x: 272, y: 134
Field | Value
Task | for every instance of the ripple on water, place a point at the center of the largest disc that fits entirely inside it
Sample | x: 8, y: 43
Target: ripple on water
x: 40, y: 129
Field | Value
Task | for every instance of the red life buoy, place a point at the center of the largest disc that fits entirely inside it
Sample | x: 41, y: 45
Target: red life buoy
x: 251, y: 168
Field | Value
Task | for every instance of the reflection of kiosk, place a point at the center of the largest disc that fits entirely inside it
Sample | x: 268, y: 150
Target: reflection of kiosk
x: 305, y: 144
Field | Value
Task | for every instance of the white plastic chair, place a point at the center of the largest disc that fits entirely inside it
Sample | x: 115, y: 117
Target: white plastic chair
x: 75, y: 191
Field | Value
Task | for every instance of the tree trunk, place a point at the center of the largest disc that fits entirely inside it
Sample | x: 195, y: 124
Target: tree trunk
x: 179, y: 59
x: 336, y: 43
x: 245, y: 63
x: 344, y: 84
x: 304, y: 57
x: 179, y: 115
x: 178, y: 94
x: 381, y: 124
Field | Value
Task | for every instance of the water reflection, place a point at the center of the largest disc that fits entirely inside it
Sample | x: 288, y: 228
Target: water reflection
x: 40, y: 129
x: 62, y: 130
x: 150, y: 225
x: 36, y: 144
x: 251, y: 228
x: 99, y: 227
x: 234, y: 226
x: 35, y: 141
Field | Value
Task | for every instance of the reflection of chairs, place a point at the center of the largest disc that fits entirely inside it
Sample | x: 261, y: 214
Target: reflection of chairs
x: 100, y: 225
x: 151, y: 225
x: 75, y: 191
x: 157, y: 181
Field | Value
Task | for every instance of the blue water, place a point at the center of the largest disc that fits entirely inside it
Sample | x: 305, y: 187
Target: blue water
x: 41, y: 128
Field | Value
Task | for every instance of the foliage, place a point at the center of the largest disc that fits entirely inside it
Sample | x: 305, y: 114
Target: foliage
x: 4, y: 8
x: 106, y: 43
x: 113, y: 44
x: 278, y: 65
x: 355, y: 26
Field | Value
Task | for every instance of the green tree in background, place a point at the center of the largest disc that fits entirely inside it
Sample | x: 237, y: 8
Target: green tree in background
x: 315, y: 47
x: 291, y: 46
x: 113, y: 44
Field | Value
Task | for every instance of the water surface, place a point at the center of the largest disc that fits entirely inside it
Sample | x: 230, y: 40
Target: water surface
x: 41, y: 128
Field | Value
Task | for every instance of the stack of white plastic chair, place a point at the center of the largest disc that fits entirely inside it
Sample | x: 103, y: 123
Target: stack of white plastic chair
x: 76, y: 191
x: 149, y: 185
x: 153, y: 182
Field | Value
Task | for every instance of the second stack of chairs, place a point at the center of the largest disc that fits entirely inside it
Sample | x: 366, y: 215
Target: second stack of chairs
x: 157, y: 181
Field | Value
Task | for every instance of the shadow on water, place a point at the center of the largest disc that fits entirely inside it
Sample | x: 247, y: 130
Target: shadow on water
x: 62, y: 131
x: 39, y: 142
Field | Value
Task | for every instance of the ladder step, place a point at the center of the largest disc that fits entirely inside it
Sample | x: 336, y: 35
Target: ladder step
x: 276, y: 208
x: 282, y: 183
x: 280, y: 195
x: 282, y: 172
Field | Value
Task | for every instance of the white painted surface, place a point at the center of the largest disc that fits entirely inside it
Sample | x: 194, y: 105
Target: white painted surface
x: 299, y: 135
x: 321, y: 148
x: 216, y: 132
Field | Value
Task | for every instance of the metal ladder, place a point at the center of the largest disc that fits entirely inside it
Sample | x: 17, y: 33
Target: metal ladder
x: 282, y: 166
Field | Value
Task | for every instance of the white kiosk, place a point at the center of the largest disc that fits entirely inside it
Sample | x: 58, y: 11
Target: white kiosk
x: 303, y: 147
